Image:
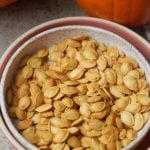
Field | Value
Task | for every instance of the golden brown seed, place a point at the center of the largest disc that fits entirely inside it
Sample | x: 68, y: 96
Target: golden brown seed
x: 51, y: 91
x: 85, y: 141
x: 53, y: 129
x: 56, y: 55
x: 35, y: 118
x: 115, y: 92
x: 43, y: 108
x: 41, y: 75
x: 92, y: 75
x: 31, y: 129
x: 118, y: 145
x: 89, y: 53
x: 102, y: 63
x: 41, y: 127
x: 112, y: 142
x: 23, y: 90
x: 60, y: 136
x: 146, y: 116
x: 71, y: 114
x: 67, y: 147
x: 44, y: 121
x: 122, y: 134
x: 104, y: 138
x: 21, y: 125
x: 38, y: 99
x: 52, y: 48
x: 109, y: 130
x: 95, y: 124
x: 132, y: 61
x: 58, y: 96
x: 130, y: 83
x: 43, y: 147
x: 110, y: 120
x: 120, y: 78
x: 58, y: 122
x: 124, y: 90
x: 85, y: 109
x: 71, y: 82
x: 80, y: 99
x: 77, y: 122
x: 94, y: 145
x: 125, y: 142
x: 139, y: 122
x: 21, y: 114
x: 32, y: 137
x: 34, y: 89
x: 144, y: 92
x: 45, y: 136
x: 77, y: 73
x: 27, y: 72
x: 119, y: 123
x: 69, y: 90
x: 68, y: 102
x: 73, y: 130
x: 133, y: 108
x: 42, y: 52
x: 102, y: 146
x: 98, y: 106
x: 110, y: 76
x: 59, y: 106
x: 126, y: 67
x: 131, y: 134
x: 134, y: 74
x: 46, y: 114
x: 73, y: 142
x: 82, y: 89
x: 24, y: 103
x: 143, y: 99
x: 99, y: 115
x: 141, y: 72
x: 19, y: 79
x: 71, y: 52
x: 35, y: 62
x: 113, y: 51
x: 85, y: 63
x: 121, y: 103
x: 142, y: 84
x: 73, y: 43
x: 24, y: 61
x: 30, y: 114
x: 62, y: 45
x: 68, y: 63
x: 127, y: 118
x: 58, y: 146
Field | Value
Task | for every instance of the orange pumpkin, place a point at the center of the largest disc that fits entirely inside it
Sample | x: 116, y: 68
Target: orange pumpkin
x: 4, y: 3
x: 127, y: 12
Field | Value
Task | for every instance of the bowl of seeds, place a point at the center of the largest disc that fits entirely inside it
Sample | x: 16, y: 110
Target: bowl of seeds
x: 76, y: 87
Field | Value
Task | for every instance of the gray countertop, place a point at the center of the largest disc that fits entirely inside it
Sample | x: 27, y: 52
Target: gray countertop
x: 25, y: 14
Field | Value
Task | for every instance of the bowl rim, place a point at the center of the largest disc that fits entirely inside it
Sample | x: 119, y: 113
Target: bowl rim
x: 66, y: 21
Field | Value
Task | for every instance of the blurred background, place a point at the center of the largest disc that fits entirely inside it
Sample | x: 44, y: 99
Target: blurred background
x: 22, y: 15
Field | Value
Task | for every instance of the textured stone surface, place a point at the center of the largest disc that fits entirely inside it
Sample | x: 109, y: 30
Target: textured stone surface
x: 25, y: 14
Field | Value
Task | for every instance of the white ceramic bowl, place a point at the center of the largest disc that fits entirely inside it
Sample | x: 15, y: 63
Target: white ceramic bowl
x: 52, y: 36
